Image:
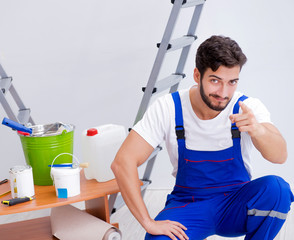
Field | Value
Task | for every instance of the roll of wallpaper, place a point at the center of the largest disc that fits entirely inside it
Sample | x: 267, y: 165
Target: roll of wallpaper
x: 112, y: 234
x: 70, y: 223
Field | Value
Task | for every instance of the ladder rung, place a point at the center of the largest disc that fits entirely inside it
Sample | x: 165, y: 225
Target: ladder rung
x: 145, y: 184
x: 179, y: 43
x: 167, y: 82
x: 190, y: 3
x: 153, y: 91
x: 24, y: 115
x: 5, y: 84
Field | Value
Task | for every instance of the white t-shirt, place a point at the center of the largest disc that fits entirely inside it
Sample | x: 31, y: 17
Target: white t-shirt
x: 158, y: 125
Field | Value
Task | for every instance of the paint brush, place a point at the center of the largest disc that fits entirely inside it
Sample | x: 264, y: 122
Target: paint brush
x: 72, y: 165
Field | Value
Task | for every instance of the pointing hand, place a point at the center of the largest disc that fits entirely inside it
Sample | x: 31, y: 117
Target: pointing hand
x: 246, y: 121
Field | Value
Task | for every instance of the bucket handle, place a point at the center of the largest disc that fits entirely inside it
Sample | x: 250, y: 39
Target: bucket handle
x: 74, y: 157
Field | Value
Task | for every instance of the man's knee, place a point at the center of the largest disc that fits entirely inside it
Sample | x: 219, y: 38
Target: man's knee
x: 277, y: 185
x: 276, y: 191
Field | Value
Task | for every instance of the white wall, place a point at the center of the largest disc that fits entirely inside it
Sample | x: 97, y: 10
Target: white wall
x: 84, y: 62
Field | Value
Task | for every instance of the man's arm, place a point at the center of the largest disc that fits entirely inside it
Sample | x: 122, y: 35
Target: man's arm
x: 134, y: 152
x: 265, y: 136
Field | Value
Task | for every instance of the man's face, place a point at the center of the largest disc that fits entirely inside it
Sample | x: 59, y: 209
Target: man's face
x: 217, y: 88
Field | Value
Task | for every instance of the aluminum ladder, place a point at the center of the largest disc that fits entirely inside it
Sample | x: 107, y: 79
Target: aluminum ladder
x: 23, y: 116
x: 171, y: 82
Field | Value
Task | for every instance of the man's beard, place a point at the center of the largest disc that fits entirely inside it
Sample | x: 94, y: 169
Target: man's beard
x: 206, y: 100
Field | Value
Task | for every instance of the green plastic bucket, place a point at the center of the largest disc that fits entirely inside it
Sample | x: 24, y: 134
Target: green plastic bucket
x: 41, y: 149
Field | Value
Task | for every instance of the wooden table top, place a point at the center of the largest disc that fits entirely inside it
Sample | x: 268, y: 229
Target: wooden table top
x: 45, y: 196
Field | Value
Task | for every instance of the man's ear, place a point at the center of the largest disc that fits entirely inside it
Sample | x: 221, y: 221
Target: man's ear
x: 197, y: 75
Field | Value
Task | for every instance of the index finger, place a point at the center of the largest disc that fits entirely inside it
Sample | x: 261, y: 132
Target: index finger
x: 243, y: 106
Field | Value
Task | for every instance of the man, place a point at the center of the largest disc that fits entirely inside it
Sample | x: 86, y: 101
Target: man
x: 209, y: 131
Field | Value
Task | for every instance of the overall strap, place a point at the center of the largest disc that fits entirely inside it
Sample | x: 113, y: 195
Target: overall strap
x: 179, y: 122
x: 236, y: 136
x: 235, y: 131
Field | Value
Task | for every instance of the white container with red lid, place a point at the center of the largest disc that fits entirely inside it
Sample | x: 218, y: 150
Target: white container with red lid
x: 99, y: 147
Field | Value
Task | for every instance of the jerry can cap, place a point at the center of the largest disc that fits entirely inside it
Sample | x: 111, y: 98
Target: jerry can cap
x: 92, y: 132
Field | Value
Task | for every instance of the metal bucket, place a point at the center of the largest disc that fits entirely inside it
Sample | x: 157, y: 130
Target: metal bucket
x: 43, y: 145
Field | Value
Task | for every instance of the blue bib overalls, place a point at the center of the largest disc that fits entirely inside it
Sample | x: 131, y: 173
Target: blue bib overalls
x: 213, y: 193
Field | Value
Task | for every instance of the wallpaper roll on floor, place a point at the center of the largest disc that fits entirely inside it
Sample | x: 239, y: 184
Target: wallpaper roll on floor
x: 70, y: 223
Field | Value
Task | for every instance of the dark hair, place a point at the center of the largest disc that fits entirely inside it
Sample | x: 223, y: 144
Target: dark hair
x: 217, y: 51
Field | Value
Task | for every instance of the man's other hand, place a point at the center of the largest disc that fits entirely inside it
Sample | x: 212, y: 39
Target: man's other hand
x: 169, y: 228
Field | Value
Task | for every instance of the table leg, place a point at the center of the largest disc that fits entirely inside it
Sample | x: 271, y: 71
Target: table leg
x: 99, y: 208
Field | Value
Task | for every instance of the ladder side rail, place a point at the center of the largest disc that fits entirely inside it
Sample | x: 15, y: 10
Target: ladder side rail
x: 16, y: 97
x: 20, y: 105
x: 31, y: 121
x: 153, y: 86
x: 7, y: 108
x: 2, y: 72
x: 152, y: 156
x: 185, y: 51
x: 4, y: 102
x: 179, y: 70
x: 5, y: 84
x: 159, y: 59
x: 24, y: 113
x: 147, y: 173
x: 24, y: 116
x: 149, y: 167
x: 111, y: 201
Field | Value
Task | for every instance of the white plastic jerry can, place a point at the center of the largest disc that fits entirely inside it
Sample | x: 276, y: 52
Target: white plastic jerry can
x: 99, y: 147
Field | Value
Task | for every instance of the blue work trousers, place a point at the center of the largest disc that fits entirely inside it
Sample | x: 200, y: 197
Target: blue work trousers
x: 257, y: 209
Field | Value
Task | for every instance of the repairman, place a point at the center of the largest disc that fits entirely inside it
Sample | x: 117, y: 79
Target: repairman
x: 209, y: 131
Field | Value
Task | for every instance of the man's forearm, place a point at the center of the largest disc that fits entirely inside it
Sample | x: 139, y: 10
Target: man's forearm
x: 265, y: 136
x: 133, y: 152
x: 271, y: 144
x: 129, y: 184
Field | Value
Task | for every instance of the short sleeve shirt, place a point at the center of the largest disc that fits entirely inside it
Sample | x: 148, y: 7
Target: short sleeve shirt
x: 158, y: 126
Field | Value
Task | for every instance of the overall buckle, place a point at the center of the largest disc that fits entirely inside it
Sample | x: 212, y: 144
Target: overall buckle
x: 180, y: 132
x: 235, y: 132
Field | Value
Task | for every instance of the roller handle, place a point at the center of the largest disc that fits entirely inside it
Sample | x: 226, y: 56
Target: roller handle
x: 14, y: 201
x: 84, y: 165
x: 16, y: 126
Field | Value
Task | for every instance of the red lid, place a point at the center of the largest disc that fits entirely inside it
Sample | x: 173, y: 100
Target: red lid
x: 23, y: 133
x: 92, y: 132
